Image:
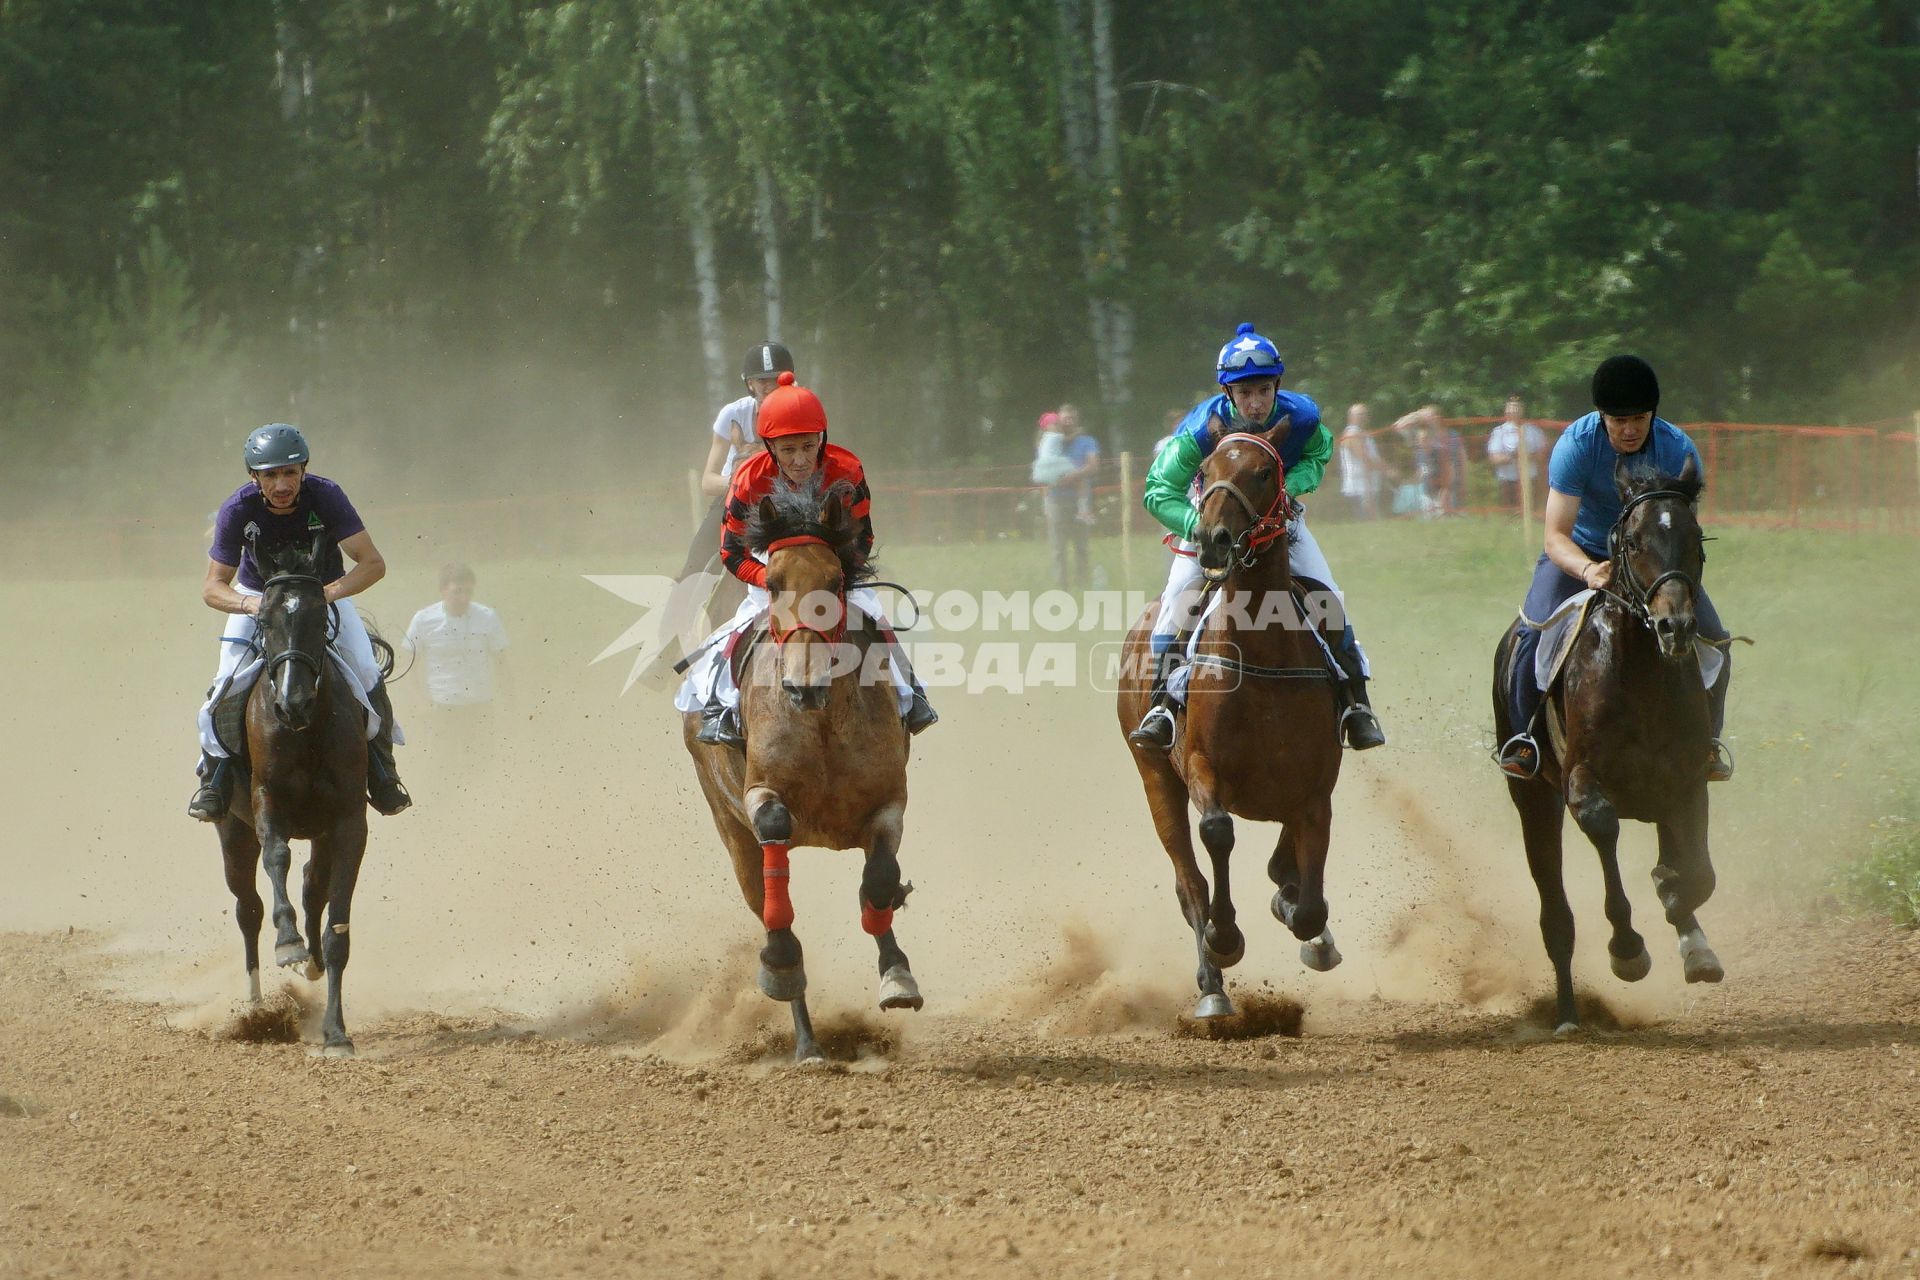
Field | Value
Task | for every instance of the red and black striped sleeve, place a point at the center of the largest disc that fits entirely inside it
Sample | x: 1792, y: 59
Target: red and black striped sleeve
x: 741, y: 496
x: 862, y: 509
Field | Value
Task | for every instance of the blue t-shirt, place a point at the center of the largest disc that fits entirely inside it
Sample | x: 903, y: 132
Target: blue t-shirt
x: 1582, y: 467
x: 1081, y: 450
x: 322, y: 505
x: 1304, y: 412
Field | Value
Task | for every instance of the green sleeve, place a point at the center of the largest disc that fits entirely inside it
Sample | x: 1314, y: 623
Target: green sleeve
x: 1304, y: 477
x: 1167, y: 481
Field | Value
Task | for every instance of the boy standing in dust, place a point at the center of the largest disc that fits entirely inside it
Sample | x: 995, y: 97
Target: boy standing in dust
x: 462, y: 646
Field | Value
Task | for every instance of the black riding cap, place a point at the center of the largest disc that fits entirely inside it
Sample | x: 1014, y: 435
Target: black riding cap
x: 766, y: 360
x: 1624, y: 386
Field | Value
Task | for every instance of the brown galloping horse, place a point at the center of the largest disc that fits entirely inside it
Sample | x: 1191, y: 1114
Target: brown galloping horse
x: 307, y: 748
x: 826, y: 757
x: 1635, y: 714
x: 1260, y: 738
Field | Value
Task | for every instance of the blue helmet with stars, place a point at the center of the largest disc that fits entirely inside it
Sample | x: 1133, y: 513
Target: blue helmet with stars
x: 1248, y: 355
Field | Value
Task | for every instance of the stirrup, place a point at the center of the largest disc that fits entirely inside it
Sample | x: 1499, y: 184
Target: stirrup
x: 1155, y: 729
x: 209, y: 803
x: 389, y: 797
x: 1520, y: 757
x: 1719, y: 762
x: 921, y: 715
x: 1366, y: 734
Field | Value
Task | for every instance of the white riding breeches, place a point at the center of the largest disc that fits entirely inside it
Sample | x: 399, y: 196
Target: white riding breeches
x: 349, y: 642
x: 710, y: 678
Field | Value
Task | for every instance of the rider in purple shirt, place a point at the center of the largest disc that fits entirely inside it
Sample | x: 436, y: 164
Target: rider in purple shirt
x: 281, y: 502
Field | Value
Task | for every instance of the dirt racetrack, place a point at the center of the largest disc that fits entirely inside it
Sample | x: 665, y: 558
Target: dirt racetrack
x: 564, y: 1069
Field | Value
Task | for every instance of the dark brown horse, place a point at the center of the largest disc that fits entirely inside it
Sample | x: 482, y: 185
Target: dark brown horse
x: 307, y: 749
x: 826, y: 757
x: 1260, y: 736
x: 1634, y: 711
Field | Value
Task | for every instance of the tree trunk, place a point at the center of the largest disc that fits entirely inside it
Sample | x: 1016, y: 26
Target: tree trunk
x: 764, y: 222
x: 1116, y: 365
x: 1076, y: 108
x: 706, y: 272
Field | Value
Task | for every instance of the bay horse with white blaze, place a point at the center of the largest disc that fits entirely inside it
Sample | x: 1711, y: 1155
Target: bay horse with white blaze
x: 825, y: 762
x: 1636, y: 730
x: 307, y: 748
x: 1260, y: 738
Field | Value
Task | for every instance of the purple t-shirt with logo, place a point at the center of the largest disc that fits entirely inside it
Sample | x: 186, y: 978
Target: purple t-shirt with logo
x: 322, y: 505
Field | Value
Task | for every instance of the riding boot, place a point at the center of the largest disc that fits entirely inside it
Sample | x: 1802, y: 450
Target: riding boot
x: 383, y: 778
x: 209, y: 803
x: 920, y: 714
x: 719, y: 726
x: 1520, y: 754
x: 1156, y: 727
x: 1358, y: 724
x: 1720, y: 763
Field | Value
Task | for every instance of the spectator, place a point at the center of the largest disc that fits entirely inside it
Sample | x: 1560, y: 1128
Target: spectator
x: 1069, y: 504
x: 1427, y: 478
x: 462, y: 645
x: 1504, y: 445
x: 1360, y: 465
x: 1050, y: 451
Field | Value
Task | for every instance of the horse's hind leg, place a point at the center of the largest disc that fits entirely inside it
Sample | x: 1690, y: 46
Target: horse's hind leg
x: 1167, y: 797
x: 1283, y: 868
x: 1626, y: 949
x: 783, y: 974
x: 340, y: 854
x: 881, y: 894
x: 1684, y: 879
x: 1540, y: 826
x: 240, y: 851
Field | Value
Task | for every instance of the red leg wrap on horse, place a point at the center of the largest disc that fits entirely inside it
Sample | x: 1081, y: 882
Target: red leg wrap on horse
x: 776, y: 910
x: 874, y: 920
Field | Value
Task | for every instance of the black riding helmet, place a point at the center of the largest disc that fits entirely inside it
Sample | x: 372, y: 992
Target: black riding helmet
x: 766, y: 360
x: 1624, y: 386
x: 277, y: 444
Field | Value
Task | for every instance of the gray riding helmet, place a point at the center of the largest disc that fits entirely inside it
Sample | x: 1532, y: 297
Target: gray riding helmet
x: 278, y: 444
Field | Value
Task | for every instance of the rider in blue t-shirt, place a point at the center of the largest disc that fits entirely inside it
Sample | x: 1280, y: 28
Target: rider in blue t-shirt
x: 1583, y: 501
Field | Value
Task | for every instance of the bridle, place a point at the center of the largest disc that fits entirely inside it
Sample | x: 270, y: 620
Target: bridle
x: 839, y: 630
x: 293, y: 653
x: 1636, y: 597
x: 1268, y: 525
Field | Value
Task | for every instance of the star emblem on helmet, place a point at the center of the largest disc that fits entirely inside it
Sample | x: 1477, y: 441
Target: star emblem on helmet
x: 1247, y: 344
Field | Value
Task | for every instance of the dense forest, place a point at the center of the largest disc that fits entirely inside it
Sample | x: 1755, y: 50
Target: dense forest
x: 552, y: 227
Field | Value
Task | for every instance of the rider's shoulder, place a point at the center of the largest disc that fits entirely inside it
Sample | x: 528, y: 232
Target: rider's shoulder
x: 842, y: 463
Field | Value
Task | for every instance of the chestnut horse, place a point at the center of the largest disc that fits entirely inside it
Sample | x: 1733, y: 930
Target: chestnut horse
x: 1636, y: 732
x: 1260, y: 736
x: 825, y: 762
x: 307, y: 750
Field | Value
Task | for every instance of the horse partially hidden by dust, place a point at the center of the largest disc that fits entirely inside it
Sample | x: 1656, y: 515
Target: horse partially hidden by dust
x: 1261, y: 735
x: 307, y: 748
x: 1635, y: 717
x: 825, y: 762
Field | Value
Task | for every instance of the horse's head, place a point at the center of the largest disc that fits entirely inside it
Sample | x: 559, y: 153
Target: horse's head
x: 293, y: 628
x: 1658, y: 552
x: 1243, y: 500
x: 811, y: 540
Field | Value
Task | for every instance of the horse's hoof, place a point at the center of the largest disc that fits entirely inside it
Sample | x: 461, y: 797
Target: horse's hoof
x: 1566, y: 1031
x: 898, y: 990
x: 337, y: 1049
x: 1320, y: 955
x: 1632, y: 969
x: 1213, y: 1006
x: 1280, y: 907
x: 783, y: 984
x: 313, y: 970
x: 288, y: 954
x: 1231, y: 957
x: 808, y: 1056
x: 1703, y: 966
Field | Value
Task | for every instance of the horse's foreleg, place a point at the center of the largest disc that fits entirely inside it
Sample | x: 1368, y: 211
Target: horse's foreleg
x: 289, y: 948
x: 1684, y: 879
x: 881, y: 894
x: 1626, y: 949
x: 1222, y: 945
x: 313, y: 901
x: 240, y: 851
x: 340, y: 852
x: 1167, y: 800
x: 1540, y: 825
x: 783, y: 974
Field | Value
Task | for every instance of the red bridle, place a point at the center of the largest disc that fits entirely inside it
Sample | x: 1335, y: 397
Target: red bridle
x: 1267, y: 525
x: 839, y: 631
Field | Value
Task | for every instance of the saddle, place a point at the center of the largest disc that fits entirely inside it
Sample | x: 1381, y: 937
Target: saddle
x: 1187, y: 642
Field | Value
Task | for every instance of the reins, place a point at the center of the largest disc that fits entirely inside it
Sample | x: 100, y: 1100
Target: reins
x: 1268, y: 525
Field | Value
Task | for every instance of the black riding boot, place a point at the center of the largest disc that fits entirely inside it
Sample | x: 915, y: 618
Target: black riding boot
x: 1358, y: 725
x: 1156, y: 727
x: 719, y: 726
x: 383, y: 778
x: 209, y: 803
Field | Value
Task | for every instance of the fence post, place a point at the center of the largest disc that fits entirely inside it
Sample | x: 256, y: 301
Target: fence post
x: 696, y: 500
x: 1126, y: 517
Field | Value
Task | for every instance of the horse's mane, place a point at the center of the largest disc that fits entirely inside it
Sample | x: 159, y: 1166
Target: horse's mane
x: 1690, y: 489
x: 794, y: 511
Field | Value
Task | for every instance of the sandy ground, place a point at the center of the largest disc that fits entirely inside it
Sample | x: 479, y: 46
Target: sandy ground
x: 564, y: 1068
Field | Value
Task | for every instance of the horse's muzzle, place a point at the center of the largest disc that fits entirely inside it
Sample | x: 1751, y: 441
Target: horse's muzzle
x: 1675, y: 636
x: 1216, y: 553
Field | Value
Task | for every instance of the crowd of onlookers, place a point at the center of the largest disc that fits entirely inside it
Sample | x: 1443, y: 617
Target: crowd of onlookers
x: 1419, y: 465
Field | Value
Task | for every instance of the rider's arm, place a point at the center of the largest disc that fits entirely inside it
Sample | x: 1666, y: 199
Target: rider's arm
x: 1562, y: 510
x: 1304, y: 476
x: 734, y: 557
x: 368, y: 567
x: 217, y: 590
x: 1172, y: 472
x: 713, y: 481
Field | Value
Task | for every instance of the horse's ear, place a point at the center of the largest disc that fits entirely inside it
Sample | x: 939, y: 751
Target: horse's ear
x: 1280, y: 430
x: 834, y: 514
x: 1623, y: 478
x: 319, y: 547
x: 767, y: 513
x: 1690, y: 471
